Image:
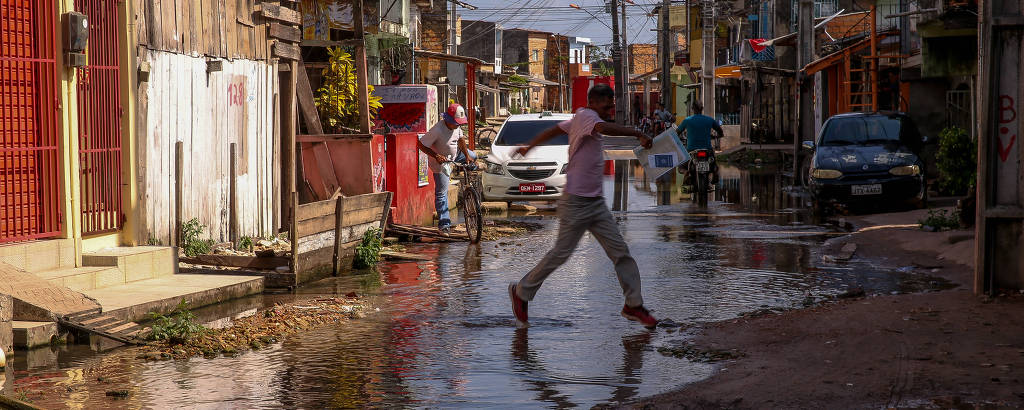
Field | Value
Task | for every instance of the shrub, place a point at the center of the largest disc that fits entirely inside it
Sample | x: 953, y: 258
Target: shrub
x: 177, y: 328
x: 191, y: 241
x: 336, y: 99
x: 941, y: 219
x: 956, y: 161
x: 368, y: 252
x: 245, y: 244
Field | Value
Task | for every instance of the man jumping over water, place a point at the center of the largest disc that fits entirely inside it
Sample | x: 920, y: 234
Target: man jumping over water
x: 582, y: 207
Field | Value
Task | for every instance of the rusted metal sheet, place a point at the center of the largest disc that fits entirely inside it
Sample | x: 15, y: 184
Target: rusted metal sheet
x: 207, y: 112
x: 99, y: 120
x: 29, y: 188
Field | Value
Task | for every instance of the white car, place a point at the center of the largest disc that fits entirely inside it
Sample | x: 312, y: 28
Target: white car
x: 540, y: 176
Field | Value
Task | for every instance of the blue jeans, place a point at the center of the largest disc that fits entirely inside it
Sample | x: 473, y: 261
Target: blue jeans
x: 441, y: 182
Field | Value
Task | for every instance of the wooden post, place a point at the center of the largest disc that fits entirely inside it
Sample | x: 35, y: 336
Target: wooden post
x: 386, y: 215
x: 339, y: 225
x: 293, y: 232
x: 179, y: 171
x: 874, y: 61
x: 471, y: 103
x: 232, y: 194
x: 288, y: 124
x: 360, y: 57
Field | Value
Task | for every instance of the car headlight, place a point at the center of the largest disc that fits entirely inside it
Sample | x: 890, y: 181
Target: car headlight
x: 825, y: 173
x: 565, y: 168
x: 494, y: 169
x: 906, y: 171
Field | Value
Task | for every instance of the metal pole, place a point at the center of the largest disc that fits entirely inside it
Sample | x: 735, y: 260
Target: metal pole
x: 620, y: 87
x: 628, y: 101
x: 451, y: 32
x: 805, y: 46
x: 666, y: 57
x: 708, y: 59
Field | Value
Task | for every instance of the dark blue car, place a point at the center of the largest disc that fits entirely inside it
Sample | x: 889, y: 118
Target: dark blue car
x: 868, y: 159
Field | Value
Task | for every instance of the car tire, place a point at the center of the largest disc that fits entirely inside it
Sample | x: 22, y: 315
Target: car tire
x: 922, y: 202
x: 805, y: 171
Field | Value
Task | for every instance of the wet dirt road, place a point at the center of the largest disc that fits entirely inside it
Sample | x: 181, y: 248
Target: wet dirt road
x: 444, y: 335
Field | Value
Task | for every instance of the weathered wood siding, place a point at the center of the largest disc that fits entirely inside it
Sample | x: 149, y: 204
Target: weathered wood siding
x: 208, y: 112
x: 216, y: 28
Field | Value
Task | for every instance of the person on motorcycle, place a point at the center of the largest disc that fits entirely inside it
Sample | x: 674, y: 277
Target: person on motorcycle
x: 698, y: 129
x: 663, y: 117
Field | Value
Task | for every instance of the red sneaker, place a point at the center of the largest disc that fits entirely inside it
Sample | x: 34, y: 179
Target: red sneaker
x: 639, y: 314
x: 519, y: 307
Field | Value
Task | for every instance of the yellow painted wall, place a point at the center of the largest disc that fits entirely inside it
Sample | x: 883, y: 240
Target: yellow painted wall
x: 70, y: 170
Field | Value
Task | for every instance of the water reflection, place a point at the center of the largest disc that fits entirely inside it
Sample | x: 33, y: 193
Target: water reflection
x: 443, y: 336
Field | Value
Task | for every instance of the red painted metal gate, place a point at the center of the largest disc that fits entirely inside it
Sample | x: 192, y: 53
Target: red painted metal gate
x: 29, y: 188
x: 99, y: 119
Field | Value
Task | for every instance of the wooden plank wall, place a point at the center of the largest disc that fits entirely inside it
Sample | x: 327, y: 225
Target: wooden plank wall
x: 215, y: 28
x: 208, y: 112
x: 320, y: 228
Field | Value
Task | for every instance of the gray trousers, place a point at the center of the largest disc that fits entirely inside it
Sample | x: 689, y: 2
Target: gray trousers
x: 577, y: 215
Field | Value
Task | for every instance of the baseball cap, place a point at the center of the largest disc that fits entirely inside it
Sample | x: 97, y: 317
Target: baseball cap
x: 456, y: 115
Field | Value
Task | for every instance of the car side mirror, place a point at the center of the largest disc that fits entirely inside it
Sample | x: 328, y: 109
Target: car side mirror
x: 808, y: 145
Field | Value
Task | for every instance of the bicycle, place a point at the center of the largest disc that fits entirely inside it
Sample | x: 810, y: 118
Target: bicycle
x: 486, y: 136
x: 470, y: 195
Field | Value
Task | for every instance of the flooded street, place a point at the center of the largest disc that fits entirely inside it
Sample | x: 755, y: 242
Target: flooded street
x: 444, y: 333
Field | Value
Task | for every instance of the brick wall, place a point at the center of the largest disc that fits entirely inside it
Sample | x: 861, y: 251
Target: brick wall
x: 643, y: 58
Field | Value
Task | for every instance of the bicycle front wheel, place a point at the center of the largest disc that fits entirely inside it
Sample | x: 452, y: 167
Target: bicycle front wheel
x: 472, y: 212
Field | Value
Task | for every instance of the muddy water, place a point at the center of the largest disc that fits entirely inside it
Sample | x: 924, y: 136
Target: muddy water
x: 443, y: 336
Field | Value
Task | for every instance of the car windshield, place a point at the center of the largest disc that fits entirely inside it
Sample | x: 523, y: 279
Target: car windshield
x: 862, y: 130
x: 521, y: 132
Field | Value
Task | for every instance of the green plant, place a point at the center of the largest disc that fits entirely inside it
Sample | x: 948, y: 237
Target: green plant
x: 191, y: 233
x: 337, y: 99
x: 941, y: 219
x: 245, y: 244
x: 178, y: 327
x: 517, y: 79
x: 368, y: 252
x: 956, y: 161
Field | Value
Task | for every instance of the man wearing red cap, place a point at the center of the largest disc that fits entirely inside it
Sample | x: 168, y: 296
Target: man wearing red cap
x: 444, y: 143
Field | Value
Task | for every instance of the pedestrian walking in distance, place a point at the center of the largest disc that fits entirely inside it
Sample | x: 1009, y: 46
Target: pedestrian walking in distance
x: 582, y: 207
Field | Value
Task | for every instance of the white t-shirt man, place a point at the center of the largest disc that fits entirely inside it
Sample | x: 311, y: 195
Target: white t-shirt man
x: 444, y: 141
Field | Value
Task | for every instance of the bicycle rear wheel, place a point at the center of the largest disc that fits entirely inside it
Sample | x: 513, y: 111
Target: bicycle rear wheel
x: 472, y: 212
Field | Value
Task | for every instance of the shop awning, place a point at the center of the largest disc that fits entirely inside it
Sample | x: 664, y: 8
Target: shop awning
x: 728, y: 71
x: 448, y: 57
x: 540, y: 81
x: 486, y: 89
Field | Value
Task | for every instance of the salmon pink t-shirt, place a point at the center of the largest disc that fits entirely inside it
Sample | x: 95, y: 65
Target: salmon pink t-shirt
x: 585, y: 174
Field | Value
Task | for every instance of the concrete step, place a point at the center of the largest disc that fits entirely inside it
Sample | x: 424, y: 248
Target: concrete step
x: 134, y: 301
x: 29, y: 335
x: 40, y: 255
x: 136, y: 263
x: 86, y: 278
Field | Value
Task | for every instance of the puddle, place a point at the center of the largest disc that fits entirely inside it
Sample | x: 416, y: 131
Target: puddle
x: 444, y: 335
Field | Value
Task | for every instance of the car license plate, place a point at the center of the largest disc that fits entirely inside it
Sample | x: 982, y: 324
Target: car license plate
x: 532, y: 188
x: 873, y: 189
x: 703, y: 166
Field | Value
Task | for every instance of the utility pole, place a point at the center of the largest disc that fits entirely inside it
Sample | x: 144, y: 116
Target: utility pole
x: 620, y: 83
x: 804, y: 117
x: 707, y: 65
x: 452, y: 47
x: 625, y: 62
x: 666, y: 58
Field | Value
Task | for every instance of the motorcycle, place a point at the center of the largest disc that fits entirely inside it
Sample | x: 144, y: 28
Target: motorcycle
x: 700, y: 182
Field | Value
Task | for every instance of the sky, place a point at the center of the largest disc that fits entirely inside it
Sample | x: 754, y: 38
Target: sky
x: 557, y: 17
